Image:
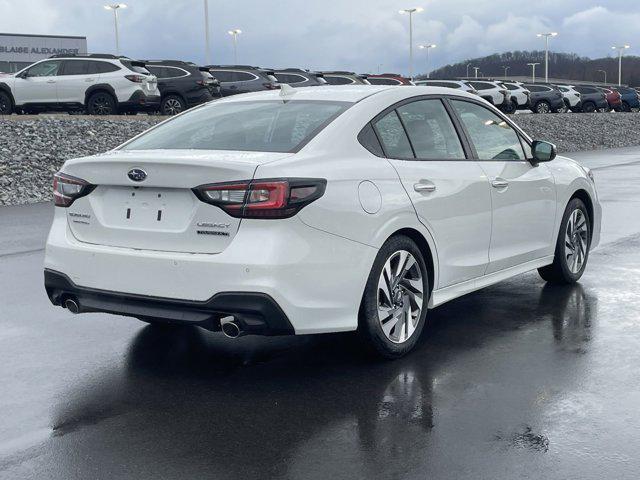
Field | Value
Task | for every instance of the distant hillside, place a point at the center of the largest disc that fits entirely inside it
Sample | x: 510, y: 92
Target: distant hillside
x: 561, y: 65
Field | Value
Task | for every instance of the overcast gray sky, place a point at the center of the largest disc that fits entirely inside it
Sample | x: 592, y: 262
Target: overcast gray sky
x: 326, y: 34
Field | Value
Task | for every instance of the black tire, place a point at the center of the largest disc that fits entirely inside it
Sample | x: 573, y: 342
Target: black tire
x: 542, y: 107
x: 369, y: 324
x: 588, y: 107
x: 510, y: 107
x: 625, y: 107
x: 101, y: 103
x: 172, y: 105
x: 6, y: 105
x: 560, y: 271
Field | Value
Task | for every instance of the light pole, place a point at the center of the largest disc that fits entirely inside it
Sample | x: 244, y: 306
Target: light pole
x: 505, y: 67
x: 533, y: 70
x: 115, y: 7
x: 411, y: 11
x: 605, y: 74
x: 468, y: 65
x: 546, y: 52
x: 234, y: 33
x: 207, y: 46
x: 427, y: 48
x: 475, y: 71
x: 620, y: 49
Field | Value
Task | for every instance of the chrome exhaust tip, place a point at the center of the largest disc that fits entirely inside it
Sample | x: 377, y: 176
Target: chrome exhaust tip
x: 71, y: 305
x: 229, y: 327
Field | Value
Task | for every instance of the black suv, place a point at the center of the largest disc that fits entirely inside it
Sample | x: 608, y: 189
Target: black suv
x: 592, y: 99
x: 236, y: 79
x: 182, y: 84
x: 345, y: 78
x: 296, y: 77
x: 544, y: 98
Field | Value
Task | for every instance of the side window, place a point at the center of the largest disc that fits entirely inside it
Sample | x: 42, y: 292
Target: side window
x: 431, y: 131
x: 393, y: 137
x: 383, y: 81
x: 157, y: 71
x: 102, y: 67
x: 368, y: 139
x: 245, y: 77
x: 290, y: 78
x: 492, y: 136
x: 45, y: 69
x: 331, y: 80
x: 224, y: 75
x: 75, y: 67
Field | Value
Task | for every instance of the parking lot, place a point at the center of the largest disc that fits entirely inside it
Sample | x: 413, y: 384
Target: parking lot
x: 520, y: 380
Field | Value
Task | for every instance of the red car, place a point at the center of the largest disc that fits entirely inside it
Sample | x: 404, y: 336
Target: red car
x: 388, y: 79
x: 614, y: 98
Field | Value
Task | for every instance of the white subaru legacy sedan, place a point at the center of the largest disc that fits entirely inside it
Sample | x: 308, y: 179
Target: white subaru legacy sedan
x: 317, y: 210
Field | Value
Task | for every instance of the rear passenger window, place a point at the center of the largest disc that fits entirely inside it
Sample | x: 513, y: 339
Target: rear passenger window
x: 75, y: 67
x: 102, y: 67
x: 338, y: 80
x: 290, y: 78
x: 431, y: 131
x: 223, y: 75
x: 245, y: 77
x: 383, y: 81
x: 492, y: 136
x: 393, y: 137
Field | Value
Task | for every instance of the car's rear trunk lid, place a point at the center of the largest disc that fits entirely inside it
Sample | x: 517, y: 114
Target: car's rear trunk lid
x: 159, y: 212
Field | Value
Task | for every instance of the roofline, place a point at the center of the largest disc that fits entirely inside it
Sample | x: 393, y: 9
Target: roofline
x: 41, y: 36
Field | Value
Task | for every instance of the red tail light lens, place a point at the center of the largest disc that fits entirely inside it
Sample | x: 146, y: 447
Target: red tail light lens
x: 67, y: 189
x: 271, y: 86
x: 268, y: 199
x: 135, y: 78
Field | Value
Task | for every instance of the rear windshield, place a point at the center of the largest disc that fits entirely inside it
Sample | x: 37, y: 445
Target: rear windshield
x: 258, y: 126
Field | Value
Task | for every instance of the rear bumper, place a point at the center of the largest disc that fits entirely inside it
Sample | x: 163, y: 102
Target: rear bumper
x: 257, y: 313
x: 141, y: 102
x: 315, y: 278
x: 200, y: 96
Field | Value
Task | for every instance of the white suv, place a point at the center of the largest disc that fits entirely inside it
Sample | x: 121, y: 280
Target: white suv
x: 317, y: 210
x: 98, y: 84
x: 519, y: 96
x: 493, y: 93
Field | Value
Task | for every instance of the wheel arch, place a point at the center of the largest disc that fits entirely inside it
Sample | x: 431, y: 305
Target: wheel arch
x: 100, y: 87
x: 4, y: 88
x: 584, y: 196
x: 426, y: 250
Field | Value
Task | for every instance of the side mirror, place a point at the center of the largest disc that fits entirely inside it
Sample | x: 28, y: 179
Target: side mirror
x: 543, y: 151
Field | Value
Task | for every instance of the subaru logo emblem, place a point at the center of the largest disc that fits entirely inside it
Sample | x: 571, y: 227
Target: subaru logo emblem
x: 137, y: 174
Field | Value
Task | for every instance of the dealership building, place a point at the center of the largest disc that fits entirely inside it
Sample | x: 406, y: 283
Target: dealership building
x: 18, y: 50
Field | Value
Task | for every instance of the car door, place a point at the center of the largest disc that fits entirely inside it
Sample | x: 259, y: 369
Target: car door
x: 228, y: 82
x: 449, y: 190
x: 523, y: 193
x: 38, y: 84
x: 74, y: 78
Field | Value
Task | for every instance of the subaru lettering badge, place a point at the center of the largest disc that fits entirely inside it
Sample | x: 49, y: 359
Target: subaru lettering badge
x: 137, y: 174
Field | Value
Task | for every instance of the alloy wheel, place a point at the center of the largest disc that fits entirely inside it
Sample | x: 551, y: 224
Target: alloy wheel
x: 102, y: 105
x: 400, y: 296
x: 576, y: 240
x: 172, y: 106
x: 543, y: 107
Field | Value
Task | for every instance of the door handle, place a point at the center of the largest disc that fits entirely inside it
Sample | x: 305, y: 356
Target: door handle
x: 51, y: 81
x: 424, y: 186
x: 88, y: 79
x: 499, y: 183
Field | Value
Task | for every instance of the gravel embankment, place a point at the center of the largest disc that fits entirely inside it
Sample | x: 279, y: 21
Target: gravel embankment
x: 33, y: 149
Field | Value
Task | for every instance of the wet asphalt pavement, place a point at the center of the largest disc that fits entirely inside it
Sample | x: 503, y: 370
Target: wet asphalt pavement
x: 520, y: 380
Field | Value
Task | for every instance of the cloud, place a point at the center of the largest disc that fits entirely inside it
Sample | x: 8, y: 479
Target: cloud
x: 346, y: 34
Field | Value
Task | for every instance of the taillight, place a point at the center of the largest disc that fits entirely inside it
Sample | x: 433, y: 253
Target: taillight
x: 67, y: 189
x: 268, y: 199
x: 135, y: 78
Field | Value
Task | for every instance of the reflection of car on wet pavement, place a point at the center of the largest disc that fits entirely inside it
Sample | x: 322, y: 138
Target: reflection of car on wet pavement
x: 409, y: 201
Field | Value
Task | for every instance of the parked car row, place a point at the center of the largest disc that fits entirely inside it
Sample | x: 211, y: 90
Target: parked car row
x: 102, y: 84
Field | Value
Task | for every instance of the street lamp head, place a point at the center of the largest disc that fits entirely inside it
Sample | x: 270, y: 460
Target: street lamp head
x: 235, y: 31
x: 411, y: 10
x: 548, y: 34
x: 430, y: 45
x: 115, y: 6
